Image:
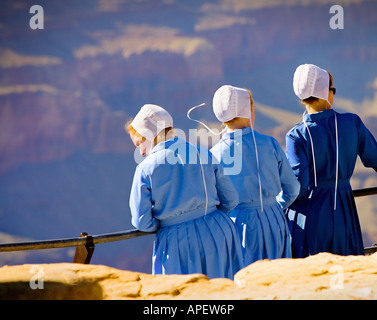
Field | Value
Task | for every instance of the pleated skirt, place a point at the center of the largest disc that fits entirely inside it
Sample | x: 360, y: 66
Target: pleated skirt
x: 263, y: 235
x: 208, y: 244
x: 317, y: 227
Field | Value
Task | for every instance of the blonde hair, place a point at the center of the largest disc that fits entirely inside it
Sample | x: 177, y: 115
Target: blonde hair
x: 166, y: 134
x: 131, y: 130
x: 230, y: 122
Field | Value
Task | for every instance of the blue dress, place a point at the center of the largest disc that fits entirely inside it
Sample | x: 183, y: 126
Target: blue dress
x: 264, y: 235
x: 169, y: 195
x: 315, y: 223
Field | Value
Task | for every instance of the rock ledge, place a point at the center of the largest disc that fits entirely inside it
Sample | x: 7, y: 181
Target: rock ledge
x: 323, y: 276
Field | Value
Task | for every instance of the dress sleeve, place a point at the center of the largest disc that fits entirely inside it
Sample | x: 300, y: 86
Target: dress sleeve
x: 367, y: 149
x: 289, y: 183
x: 226, y: 191
x: 298, y: 160
x: 141, y: 203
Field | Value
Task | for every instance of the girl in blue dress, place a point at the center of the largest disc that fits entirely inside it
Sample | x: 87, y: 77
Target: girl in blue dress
x: 259, y: 170
x: 322, y: 151
x: 178, y: 192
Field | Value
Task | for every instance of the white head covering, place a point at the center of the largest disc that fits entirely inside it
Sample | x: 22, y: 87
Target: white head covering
x: 150, y: 120
x: 231, y: 102
x: 311, y: 81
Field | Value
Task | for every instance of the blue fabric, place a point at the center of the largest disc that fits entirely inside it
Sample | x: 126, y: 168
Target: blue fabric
x: 168, y: 195
x: 315, y: 225
x: 264, y: 235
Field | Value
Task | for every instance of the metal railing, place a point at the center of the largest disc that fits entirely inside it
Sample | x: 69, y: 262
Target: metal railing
x: 85, y: 243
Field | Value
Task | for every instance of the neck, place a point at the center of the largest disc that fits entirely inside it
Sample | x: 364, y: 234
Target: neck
x: 314, y: 108
x: 164, y: 136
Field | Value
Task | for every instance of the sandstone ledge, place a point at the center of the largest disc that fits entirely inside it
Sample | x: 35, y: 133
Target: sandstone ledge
x: 323, y: 276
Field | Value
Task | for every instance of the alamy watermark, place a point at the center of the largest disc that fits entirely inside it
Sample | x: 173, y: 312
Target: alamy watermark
x: 179, y: 152
x: 37, y: 279
x: 337, y: 20
x: 37, y: 20
x: 337, y: 280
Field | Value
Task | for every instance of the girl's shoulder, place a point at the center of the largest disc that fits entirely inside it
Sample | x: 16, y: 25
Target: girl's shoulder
x: 298, y: 127
x: 349, y: 116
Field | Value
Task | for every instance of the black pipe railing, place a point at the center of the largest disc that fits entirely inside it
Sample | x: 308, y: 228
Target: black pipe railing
x: 72, y: 242
x: 85, y: 243
x: 364, y: 192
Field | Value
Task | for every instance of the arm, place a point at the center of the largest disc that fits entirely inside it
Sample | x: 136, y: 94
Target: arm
x: 227, y: 193
x: 289, y: 183
x: 141, y: 203
x: 367, y: 148
x: 297, y: 158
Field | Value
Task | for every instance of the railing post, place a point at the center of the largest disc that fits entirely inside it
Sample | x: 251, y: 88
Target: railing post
x: 84, y: 253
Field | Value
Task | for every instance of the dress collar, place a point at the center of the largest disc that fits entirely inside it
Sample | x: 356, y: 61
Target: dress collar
x: 230, y: 135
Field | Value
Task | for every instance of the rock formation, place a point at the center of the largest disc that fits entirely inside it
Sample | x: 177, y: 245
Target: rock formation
x: 323, y: 276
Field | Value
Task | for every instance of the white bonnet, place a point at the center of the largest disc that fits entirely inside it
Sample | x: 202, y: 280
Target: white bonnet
x: 311, y: 81
x: 150, y: 120
x: 231, y: 102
